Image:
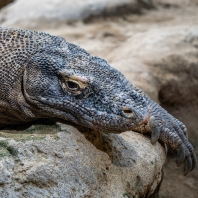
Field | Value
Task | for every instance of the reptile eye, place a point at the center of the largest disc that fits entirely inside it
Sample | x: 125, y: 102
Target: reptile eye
x: 72, y: 86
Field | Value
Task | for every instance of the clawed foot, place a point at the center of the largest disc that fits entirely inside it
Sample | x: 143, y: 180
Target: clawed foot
x: 174, y: 133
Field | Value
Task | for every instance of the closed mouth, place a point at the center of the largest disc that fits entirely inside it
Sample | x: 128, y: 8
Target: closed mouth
x: 145, y: 118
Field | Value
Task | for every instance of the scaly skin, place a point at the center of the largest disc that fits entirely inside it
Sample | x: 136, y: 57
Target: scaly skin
x: 43, y: 76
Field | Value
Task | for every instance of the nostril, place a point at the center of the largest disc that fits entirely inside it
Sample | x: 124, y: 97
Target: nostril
x: 127, y: 111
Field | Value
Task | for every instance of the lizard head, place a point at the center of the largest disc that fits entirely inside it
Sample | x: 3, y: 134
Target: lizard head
x: 68, y: 83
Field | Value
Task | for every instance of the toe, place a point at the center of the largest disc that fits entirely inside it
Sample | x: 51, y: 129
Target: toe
x: 194, y: 160
x: 180, y: 156
x: 155, y: 135
x: 187, y: 165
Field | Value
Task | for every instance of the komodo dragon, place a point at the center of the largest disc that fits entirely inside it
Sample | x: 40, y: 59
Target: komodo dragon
x: 43, y: 76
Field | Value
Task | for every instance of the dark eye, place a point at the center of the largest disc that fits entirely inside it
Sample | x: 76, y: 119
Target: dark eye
x: 72, y: 86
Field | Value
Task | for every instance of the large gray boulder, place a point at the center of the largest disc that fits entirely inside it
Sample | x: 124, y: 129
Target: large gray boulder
x: 58, y: 161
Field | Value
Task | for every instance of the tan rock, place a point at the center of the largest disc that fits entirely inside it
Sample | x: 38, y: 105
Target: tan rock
x: 65, y: 164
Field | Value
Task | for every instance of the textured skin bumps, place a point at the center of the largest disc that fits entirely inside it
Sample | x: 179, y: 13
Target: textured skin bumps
x: 43, y: 76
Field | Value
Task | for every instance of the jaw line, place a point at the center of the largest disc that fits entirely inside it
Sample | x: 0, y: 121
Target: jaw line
x: 83, y: 119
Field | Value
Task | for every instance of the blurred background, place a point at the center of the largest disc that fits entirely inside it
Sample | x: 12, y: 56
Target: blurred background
x: 153, y: 43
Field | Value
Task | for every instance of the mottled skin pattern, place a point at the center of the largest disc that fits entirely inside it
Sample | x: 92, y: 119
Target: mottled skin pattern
x: 43, y: 76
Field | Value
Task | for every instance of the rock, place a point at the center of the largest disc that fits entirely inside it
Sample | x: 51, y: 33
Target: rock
x: 170, y: 61
x: 65, y: 164
x: 48, y: 12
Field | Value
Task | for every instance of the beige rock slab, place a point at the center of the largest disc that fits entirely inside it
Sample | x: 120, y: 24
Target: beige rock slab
x: 65, y: 164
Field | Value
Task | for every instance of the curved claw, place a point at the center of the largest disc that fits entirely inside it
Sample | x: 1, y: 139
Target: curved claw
x: 153, y: 122
x: 180, y: 156
x: 155, y: 135
x: 187, y: 165
x: 192, y: 154
x: 194, y: 160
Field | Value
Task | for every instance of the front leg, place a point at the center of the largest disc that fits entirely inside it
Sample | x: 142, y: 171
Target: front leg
x: 171, y: 131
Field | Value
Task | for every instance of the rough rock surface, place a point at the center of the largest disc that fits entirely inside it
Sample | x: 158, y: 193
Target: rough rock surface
x: 58, y: 161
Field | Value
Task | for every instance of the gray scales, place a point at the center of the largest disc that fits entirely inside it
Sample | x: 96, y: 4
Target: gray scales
x: 43, y: 76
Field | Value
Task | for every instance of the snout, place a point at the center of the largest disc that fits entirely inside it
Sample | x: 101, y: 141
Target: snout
x: 146, y: 117
x: 128, y: 112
